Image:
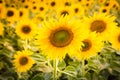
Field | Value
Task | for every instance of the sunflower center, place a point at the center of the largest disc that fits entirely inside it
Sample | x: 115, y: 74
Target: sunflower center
x: 87, y: 45
x: 41, y: 8
x: 61, y: 37
x: 76, y: 10
x: 26, y: 29
x: 98, y: 26
x: 10, y: 13
x: 23, y: 61
x: 53, y: 3
x: 64, y: 13
x: 21, y: 13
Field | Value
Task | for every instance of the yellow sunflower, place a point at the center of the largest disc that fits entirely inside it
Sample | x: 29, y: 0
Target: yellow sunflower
x: 38, y: 19
x: 111, y: 3
x: 114, y: 5
x: 115, y: 39
x: 22, y: 61
x: 66, y: 2
x: 104, y: 9
x: 63, y: 11
x: 101, y: 1
x: 26, y: 29
x: 23, y: 13
x: 78, y: 10
x: 11, y: 14
x: 1, y: 29
x: 2, y: 11
x: 58, y: 37
x: 2, y: 1
x: 100, y: 23
x: 53, y: 4
x: 88, y: 3
x: 27, y: 5
x: 92, y: 45
x: 39, y: 8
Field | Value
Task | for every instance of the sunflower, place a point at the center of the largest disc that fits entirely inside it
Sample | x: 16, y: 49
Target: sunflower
x: 34, y: 8
x: 38, y: 19
x: 27, y: 5
x: 58, y: 37
x: 43, y: 8
x: 11, y: 14
x: 1, y: 29
x: 81, y: 2
x: 53, y: 4
x: 112, y: 3
x: 22, y: 61
x: 63, y: 11
x: 101, y: 1
x: 40, y: 8
x: 2, y: 11
x: 104, y: 9
x: 114, y: 39
x: 78, y: 10
x: 100, y: 23
x: 66, y: 2
x: 26, y: 29
x: 92, y: 45
x: 2, y: 2
x: 23, y: 13
x: 88, y: 3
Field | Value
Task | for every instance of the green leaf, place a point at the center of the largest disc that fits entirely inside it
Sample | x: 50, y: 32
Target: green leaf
x: 61, y: 65
x: 70, y: 69
x: 76, y: 64
x: 1, y: 65
x: 10, y: 78
x: 116, y: 68
x: 47, y: 76
x: 38, y: 77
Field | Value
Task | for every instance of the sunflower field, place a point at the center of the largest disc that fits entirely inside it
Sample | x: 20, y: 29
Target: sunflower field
x: 59, y: 39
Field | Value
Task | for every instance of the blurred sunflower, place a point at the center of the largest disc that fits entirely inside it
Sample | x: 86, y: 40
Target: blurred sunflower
x: 63, y: 11
x: 2, y: 1
x: 58, y: 37
x: 34, y: 8
x: 111, y: 3
x: 53, y: 4
x: 81, y: 2
x: 100, y: 23
x: 66, y: 2
x: 27, y: 5
x: 92, y: 45
x: 26, y: 29
x: 11, y: 14
x: 101, y: 1
x: 23, y: 13
x: 2, y: 11
x: 40, y: 8
x: 39, y: 18
x: 22, y: 61
x: 1, y: 29
x: 115, y: 39
x: 78, y: 10
x: 114, y: 5
x: 104, y: 9
x: 88, y: 3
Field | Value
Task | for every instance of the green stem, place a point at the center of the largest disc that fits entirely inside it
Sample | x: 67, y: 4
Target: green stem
x: 55, y: 70
x: 66, y: 73
x: 49, y: 64
x: 26, y: 44
x: 83, y: 68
